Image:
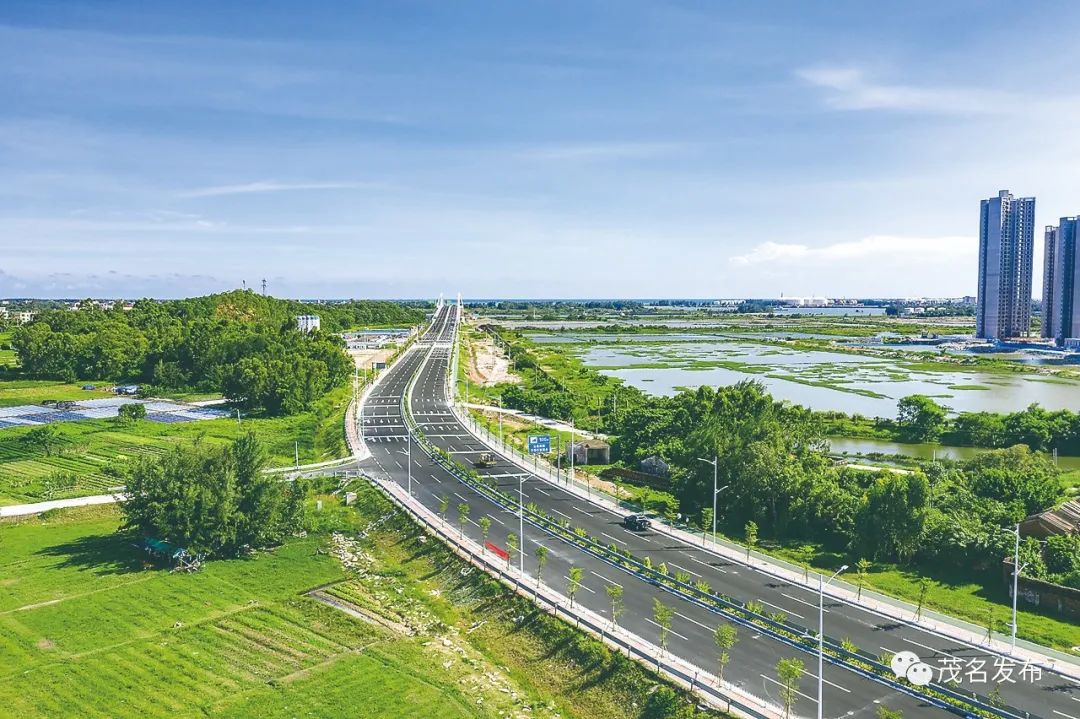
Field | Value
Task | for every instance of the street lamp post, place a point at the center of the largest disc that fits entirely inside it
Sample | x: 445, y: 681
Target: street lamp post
x: 1016, y: 583
x: 572, y: 443
x: 715, y: 462
x: 521, y: 523
x: 821, y: 633
x: 408, y: 434
x: 499, y: 399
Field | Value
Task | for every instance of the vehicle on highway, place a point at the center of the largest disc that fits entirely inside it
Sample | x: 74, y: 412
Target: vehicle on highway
x: 486, y: 459
x: 636, y: 522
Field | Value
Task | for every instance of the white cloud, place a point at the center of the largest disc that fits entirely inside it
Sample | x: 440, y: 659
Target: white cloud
x: 876, y: 248
x: 265, y: 186
x: 849, y: 88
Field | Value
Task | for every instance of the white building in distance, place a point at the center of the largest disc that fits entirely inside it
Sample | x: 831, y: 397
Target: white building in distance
x: 308, y: 323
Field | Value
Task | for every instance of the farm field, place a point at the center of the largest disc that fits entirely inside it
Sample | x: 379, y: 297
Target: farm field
x: 87, y: 630
x: 89, y: 455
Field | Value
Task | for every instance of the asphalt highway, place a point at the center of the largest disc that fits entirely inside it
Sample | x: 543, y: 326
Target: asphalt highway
x: 754, y: 657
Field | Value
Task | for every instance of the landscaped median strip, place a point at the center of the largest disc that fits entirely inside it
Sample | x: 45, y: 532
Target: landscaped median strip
x: 777, y: 627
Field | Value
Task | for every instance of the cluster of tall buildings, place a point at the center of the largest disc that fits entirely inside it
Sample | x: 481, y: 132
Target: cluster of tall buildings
x: 1006, y: 250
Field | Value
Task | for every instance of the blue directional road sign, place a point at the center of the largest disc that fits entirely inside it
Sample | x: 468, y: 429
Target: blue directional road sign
x: 539, y: 443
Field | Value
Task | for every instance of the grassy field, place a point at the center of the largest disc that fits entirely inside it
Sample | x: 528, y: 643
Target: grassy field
x: 86, y: 630
x: 32, y: 391
x: 92, y: 453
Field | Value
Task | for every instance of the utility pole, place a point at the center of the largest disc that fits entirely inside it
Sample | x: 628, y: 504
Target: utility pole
x: 409, y: 460
x: 264, y: 286
x: 296, y: 453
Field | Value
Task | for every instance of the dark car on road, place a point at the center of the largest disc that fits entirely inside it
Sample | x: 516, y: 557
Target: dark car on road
x: 636, y: 522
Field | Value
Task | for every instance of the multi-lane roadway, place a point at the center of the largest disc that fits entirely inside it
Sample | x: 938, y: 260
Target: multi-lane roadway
x: 755, y: 655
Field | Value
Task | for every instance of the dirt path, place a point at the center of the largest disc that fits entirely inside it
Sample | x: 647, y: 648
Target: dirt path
x: 488, y: 365
x: 363, y: 358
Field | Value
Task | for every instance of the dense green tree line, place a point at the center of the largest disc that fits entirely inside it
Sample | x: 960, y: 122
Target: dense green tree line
x: 773, y: 460
x: 921, y: 419
x: 212, y: 500
x: 239, y: 343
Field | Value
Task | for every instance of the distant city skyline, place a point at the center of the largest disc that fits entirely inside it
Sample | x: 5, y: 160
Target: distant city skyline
x: 585, y: 149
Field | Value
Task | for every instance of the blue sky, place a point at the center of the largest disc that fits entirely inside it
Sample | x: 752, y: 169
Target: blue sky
x: 629, y: 149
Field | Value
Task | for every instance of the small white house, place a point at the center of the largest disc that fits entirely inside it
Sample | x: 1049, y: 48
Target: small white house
x: 307, y: 323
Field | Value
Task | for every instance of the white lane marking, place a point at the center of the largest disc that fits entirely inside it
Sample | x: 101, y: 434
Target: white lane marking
x: 930, y: 649
x: 558, y: 512
x: 811, y: 674
x: 680, y: 636
x: 693, y: 621
x: 1067, y: 716
x: 614, y: 539
x: 800, y: 601
x: 770, y: 679
x: 706, y: 564
x: 684, y: 569
x: 581, y: 585
x: 785, y: 611
x: 600, y: 576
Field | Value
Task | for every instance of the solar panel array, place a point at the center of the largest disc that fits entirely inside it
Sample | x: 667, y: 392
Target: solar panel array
x: 156, y: 411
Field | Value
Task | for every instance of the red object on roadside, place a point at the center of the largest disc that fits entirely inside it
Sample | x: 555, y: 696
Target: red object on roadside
x: 502, y: 553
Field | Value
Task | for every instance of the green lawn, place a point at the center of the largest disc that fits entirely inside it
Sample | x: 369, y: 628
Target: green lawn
x: 32, y: 391
x: 88, y: 630
x: 1070, y: 483
x: 92, y: 452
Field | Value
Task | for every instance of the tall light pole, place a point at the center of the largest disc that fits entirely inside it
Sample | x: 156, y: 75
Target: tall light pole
x: 572, y: 443
x: 1016, y: 583
x: 521, y: 524
x: 408, y: 435
x: 715, y: 462
x: 821, y: 633
x: 499, y: 400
